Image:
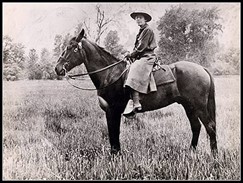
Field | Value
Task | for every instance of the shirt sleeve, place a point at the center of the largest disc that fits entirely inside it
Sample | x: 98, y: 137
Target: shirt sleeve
x: 143, y: 42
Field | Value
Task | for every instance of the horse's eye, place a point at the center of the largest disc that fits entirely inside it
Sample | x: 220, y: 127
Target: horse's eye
x: 75, y: 50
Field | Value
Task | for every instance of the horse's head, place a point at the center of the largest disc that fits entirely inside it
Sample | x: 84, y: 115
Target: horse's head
x: 72, y: 56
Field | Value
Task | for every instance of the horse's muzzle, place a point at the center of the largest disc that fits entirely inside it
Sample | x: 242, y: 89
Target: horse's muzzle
x: 61, y: 72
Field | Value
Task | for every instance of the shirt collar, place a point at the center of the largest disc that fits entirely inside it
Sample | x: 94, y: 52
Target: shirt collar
x: 144, y: 26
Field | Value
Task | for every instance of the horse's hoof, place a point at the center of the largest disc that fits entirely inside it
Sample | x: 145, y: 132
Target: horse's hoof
x: 115, y: 151
x: 215, y: 153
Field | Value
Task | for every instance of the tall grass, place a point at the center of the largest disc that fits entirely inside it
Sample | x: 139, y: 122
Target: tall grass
x: 52, y: 131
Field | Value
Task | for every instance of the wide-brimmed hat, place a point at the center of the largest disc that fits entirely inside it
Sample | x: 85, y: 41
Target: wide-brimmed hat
x: 146, y: 15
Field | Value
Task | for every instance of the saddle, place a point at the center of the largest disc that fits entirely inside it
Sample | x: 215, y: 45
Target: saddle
x: 163, y: 73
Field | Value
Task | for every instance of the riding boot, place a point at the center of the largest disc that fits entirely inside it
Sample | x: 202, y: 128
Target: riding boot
x: 136, y: 104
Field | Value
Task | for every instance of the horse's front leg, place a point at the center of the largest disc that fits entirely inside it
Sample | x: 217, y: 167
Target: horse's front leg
x: 113, y: 118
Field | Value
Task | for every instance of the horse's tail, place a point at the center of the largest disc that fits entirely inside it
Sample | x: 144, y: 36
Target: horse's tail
x: 211, y: 106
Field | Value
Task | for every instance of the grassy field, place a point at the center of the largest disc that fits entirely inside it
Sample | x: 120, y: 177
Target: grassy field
x: 53, y: 131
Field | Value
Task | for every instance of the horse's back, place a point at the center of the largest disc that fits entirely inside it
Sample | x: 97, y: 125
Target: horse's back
x: 189, y: 71
x: 193, y: 82
x: 190, y: 67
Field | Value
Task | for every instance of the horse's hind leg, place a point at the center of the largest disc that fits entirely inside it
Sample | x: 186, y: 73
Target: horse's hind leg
x: 210, y: 126
x: 195, y: 124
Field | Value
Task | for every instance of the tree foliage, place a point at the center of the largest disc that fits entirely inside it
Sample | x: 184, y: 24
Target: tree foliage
x: 111, y: 43
x: 33, y: 69
x: 58, y: 41
x: 190, y: 35
x: 40, y: 68
x: 47, y: 65
x: 13, y: 59
x: 227, y: 62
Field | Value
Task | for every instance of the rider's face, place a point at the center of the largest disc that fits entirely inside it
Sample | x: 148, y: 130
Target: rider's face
x: 140, y: 20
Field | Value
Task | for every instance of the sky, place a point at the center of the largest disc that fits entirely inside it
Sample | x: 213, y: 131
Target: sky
x: 36, y: 24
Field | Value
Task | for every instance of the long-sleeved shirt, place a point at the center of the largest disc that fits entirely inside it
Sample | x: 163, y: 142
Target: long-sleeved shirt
x: 145, y: 42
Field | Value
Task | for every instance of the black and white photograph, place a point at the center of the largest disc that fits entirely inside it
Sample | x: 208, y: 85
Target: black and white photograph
x: 121, y: 91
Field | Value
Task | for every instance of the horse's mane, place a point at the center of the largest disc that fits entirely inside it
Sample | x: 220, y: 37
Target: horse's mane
x: 102, y: 51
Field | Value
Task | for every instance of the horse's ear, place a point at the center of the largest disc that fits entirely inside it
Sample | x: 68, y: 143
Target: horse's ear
x: 80, y: 36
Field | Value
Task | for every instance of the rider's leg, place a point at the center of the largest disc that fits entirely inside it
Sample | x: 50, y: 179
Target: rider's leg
x: 136, y: 104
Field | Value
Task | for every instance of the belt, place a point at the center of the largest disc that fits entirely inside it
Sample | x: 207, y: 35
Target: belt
x: 144, y: 53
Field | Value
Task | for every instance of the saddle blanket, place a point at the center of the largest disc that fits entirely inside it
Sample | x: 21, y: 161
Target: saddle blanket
x: 163, y: 74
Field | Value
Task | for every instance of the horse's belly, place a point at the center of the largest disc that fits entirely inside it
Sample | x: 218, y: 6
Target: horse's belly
x: 164, y: 96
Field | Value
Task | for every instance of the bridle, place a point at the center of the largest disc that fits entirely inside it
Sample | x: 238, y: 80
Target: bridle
x: 74, y: 76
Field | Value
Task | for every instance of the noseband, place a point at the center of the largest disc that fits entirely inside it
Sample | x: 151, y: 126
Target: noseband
x: 64, y: 58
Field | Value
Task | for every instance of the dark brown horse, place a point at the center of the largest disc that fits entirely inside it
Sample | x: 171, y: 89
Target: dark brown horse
x: 195, y: 86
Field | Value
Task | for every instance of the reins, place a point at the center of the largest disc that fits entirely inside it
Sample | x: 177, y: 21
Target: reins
x: 91, y: 89
x: 93, y: 72
x: 97, y: 71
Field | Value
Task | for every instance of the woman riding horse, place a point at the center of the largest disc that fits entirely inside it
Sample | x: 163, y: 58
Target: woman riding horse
x: 193, y: 88
x: 140, y: 78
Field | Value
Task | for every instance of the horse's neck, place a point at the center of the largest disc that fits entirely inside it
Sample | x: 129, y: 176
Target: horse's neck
x: 96, y: 61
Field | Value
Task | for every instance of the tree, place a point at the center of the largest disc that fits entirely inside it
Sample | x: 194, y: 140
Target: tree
x: 47, y: 65
x: 111, y: 43
x: 78, y: 28
x: 34, y: 70
x: 98, y: 23
x: 57, y: 45
x: 40, y: 68
x: 101, y: 22
x: 13, y: 59
x: 233, y: 57
x: 45, y: 56
x: 190, y: 35
x: 7, y: 47
x: 227, y: 62
x: 66, y: 40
